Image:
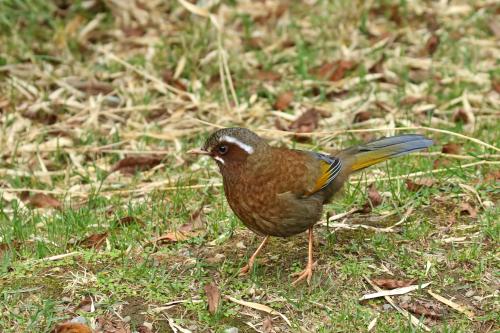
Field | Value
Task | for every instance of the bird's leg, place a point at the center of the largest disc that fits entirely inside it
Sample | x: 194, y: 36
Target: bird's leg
x: 307, y: 273
x: 249, y: 266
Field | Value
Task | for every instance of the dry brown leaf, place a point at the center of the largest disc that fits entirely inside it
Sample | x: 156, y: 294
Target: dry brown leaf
x: 432, y: 44
x: 374, y: 200
x: 378, y: 67
x: 94, y: 241
x: 451, y: 148
x: 417, y: 184
x: 213, y: 297
x: 440, y: 163
x: 467, y: 209
x: 411, y: 100
x: 494, y: 26
x: 393, y: 283
x: 333, y: 71
x: 342, y: 67
x: 133, y: 31
x: 284, y: 100
x: 71, y: 328
x: 93, y: 87
x: 41, y: 116
x: 132, y: 164
x: 460, y: 115
x: 306, y: 122
x: 493, y: 176
x: 168, y: 78
x: 144, y: 329
x: 324, y: 71
x: 495, y: 85
x: 40, y: 200
x: 267, y: 325
x: 362, y: 116
x: 108, y: 324
x: 426, y: 309
x: 263, y: 75
x: 128, y: 220
x: 85, y: 305
x: 191, y: 229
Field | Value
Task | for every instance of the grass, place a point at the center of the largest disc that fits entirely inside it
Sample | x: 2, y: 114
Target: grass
x: 69, y: 111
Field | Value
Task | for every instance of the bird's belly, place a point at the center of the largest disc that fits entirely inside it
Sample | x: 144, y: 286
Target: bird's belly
x: 272, y: 215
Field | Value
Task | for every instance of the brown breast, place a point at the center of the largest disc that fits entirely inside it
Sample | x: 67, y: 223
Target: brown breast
x: 267, y: 192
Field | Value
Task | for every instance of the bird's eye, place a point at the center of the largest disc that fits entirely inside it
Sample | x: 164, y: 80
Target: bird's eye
x: 223, y: 149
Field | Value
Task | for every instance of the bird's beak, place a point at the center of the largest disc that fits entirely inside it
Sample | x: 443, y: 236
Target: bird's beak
x: 198, y: 151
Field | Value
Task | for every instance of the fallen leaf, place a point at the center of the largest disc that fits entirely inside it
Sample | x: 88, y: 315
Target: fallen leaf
x: 417, y: 184
x: 393, y: 283
x: 263, y: 75
x: 144, y: 329
x: 451, y: 148
x: 94, y: 241
x: 432, y: 44
x: 133, y: 31
x: 47, y: 118
x: 362, y: 116
x: 493, y: 176
x: 213, y: 297
x: 467, y: 209
x: 466, y: 117
x: 71, y: 328
x: 132, y: 164
x: 374, y: 200
x: 374, y: 196
x: 378, y: 67
x: 324, y: 71
x: 267, y: 325
x: 92, y: 87
x: 283, y: 101
x: 40, y: 200
x: 342, y: 67
x: 128, y: 220
x: 420, y: 308
x: 168, y: 78
x: 440, y: 163
x: 86, y: 305
x: 495, y: 85
x: 108, y: 324
x: 460, y: 308
x: 306, y: 122
x: 494, y: 26
x: 191, y: 229
x: 260, y: 307
x: 411, y: 100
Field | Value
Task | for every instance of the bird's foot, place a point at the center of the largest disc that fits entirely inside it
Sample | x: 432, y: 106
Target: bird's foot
x: 247, y: 268
x: 305, y: 274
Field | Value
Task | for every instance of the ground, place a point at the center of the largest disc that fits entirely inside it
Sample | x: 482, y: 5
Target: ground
x: 107, y: 221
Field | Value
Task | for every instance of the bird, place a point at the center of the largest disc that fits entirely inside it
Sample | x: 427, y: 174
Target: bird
x: 280, y: 192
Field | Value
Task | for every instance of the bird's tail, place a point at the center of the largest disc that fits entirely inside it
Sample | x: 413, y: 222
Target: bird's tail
x: 365, y: 155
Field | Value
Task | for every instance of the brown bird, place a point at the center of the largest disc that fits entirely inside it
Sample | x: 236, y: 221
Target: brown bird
x: 281, y: 192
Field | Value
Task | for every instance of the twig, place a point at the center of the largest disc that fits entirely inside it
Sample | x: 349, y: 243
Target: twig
x: 414, y: 320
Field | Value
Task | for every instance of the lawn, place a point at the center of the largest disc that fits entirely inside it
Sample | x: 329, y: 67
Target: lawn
x: 106, y: 221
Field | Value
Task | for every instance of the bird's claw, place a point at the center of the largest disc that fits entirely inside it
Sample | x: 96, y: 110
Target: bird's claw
x: 305, y: 274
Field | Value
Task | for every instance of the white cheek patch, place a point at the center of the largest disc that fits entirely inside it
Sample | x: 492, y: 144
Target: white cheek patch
x: 217, y: 158
x: 244, y: 146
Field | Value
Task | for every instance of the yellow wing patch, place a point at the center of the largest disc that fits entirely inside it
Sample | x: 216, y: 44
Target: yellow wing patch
x: 328, y: 173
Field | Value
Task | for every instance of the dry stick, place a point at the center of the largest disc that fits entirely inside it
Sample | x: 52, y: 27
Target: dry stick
x: 414, y: 320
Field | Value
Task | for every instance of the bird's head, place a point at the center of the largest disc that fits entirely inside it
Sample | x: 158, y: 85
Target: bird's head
x: 231, y: 147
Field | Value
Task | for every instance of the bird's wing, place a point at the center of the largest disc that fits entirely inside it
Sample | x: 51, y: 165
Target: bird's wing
x: 330, y: 168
